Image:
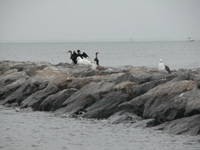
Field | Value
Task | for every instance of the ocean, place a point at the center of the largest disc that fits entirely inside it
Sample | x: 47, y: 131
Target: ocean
x: 28, y: 130
x: 177, y: 54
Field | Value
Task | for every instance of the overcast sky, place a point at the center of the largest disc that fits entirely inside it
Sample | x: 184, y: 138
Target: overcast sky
x: 99, y: 20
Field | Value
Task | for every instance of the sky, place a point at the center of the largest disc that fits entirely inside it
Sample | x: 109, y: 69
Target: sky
x: 98, y: 20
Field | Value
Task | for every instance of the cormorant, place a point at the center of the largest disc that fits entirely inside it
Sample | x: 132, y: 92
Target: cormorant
x: 96, y: 58
x: 82, y: 55
x: 73, y: 56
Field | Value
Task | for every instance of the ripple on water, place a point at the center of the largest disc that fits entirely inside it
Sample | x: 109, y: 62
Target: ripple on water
x: 39, y: 130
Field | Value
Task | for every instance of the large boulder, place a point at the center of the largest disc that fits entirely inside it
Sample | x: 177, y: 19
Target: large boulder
x: 164, y: 103
x: 35, y: 99
x: 26, y: 89
x: 9, y: 83
x: 54, y: 101
x: 93, y: 88
x: 192, y: 99
x: 161, y: 102
x: 183, y: 126
x: 11, y: 76
x: 85, y: 97
x: 107, y: 106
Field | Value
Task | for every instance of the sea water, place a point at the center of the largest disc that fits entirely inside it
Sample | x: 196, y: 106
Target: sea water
x: 28, y: 130
x: 179, y: 54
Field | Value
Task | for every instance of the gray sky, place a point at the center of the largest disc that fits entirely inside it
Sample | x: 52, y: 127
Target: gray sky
x: 99, y: 20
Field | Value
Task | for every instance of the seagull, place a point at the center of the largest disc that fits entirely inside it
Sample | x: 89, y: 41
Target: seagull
x: 83, y: 61
x: 163, y: 69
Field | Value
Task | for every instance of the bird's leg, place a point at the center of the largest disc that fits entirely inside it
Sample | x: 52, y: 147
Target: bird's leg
x: 163, y: 77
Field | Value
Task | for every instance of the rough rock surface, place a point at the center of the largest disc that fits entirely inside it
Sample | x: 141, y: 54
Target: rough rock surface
x: 126, y: 94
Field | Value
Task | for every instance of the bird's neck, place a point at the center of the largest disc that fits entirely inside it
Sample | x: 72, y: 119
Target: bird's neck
x: 70, y: 53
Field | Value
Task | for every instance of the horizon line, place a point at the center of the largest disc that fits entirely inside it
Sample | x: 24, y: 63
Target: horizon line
x: 86, y: 41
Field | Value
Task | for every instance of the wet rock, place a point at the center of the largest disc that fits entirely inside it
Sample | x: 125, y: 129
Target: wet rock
x: 124, y: 117
x: 184, y: 126
x: 145, y: 123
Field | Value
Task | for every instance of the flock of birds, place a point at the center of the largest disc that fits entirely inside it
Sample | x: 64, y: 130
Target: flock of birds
x: 81, y: 58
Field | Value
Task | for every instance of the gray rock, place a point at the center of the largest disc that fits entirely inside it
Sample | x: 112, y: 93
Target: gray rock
x: 143, y: 77
x: 198, y: 83
x: 85, y: 97
x: 192, y: 99
x: 138, y: 90
x: 10, y: 83
x: 185, y: 76
x: 35, y: 99
x: 78, y: 106
x: 163, y: 102
x: 107, y: 106
x: 25, y: 90
x: 123, y: 94
x: 4, y: 67
x: 145, y: 123
x: 78, y: 83
x: 11, y: 76
x: 123, y: 117
x: 93, y: 88
x: 183, y: 126
x: 160, y: 102
x: 54, y: 102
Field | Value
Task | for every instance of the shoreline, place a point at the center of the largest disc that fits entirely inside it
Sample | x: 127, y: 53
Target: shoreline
x: 125, y: 94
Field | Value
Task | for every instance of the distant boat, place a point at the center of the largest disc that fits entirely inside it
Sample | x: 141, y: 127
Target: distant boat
x: 190, y: 40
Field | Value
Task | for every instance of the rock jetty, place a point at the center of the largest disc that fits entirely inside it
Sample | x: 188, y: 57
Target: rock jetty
x: 126, y: 94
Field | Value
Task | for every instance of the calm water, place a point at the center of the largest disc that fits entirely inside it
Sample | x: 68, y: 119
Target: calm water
x: 27, y: 130
x: 174, y: 54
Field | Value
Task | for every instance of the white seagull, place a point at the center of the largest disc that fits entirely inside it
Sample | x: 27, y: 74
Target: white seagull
x: 83, y: 61
x: 163, y: 69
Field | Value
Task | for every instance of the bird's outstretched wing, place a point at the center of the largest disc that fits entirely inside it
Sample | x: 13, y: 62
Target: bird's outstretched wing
x: 85, y: 55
